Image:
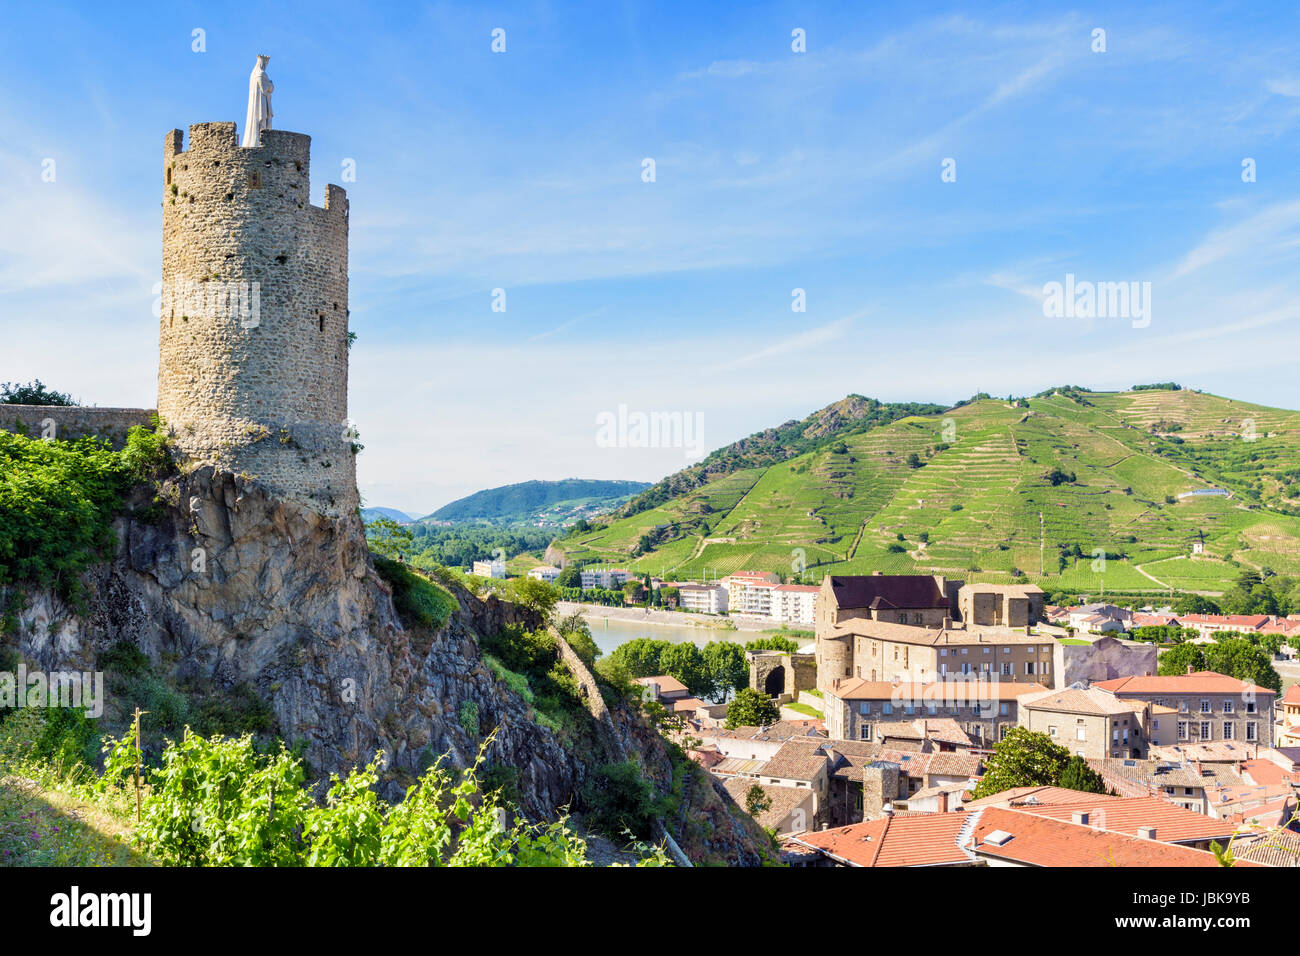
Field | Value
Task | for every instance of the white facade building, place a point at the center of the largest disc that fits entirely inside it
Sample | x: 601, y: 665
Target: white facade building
x: 703, y: 598
x: 490, y: 569
x: 545, y: 573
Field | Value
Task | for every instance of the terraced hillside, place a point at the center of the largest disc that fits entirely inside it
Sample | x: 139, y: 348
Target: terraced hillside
x: 1078, y: 490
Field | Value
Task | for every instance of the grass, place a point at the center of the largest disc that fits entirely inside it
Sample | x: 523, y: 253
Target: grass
x: 986, y: 507
x: 40, y: 826
x: 805, y: 710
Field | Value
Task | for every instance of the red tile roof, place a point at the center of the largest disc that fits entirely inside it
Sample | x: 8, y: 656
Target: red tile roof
x: 1198, y: 682
x: 1036, y: 840
x: 1126, y: 814
x: 1030, y: 796
x: 923, y: 839
x: 1292, y: 695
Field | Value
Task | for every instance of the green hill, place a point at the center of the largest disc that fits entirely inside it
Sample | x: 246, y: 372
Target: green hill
x: 539, y: 500
x: 979, y: 497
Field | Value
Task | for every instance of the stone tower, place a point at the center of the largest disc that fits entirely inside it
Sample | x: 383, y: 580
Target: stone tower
x: 253, y: 346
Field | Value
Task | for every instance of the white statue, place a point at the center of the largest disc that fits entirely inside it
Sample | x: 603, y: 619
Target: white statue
x: 260, y: 88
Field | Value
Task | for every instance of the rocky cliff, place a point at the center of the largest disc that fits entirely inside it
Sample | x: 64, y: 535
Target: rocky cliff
x: 228, y: 591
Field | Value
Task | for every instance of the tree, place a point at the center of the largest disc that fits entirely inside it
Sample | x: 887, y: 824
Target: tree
x: 1023, y: 758
x: 1077, y: 775
x: 1195, y: 604
x: 33, y: 393
x: 640, y: 657
x: 914, y: 460
x: 1243, y: 660
x: 749, y: 708
x: 570, y: 577
x: 686, y: 663
x: 531, y: 593
x: 773, y: 643
x: 726, y: 666
x: 388, y: 538
x: 1179, y: 658
x: 575, y: 629
x: 756, y: 801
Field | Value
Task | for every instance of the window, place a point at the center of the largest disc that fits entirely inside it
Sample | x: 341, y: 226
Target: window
x: 1182, y: 706
x: 1155, y: 725
x: 1029, y: 667
x: 1205, y: 706
x: 1051, y: 730
x: 886, y: 708
x: 965, y: 667
x: 1252, y: 731
x: 1207, y: 730
x: 1250, y: 707
x: 1182, y: 730
x: 943, y: 652
x: 1227, y: 706
x: 1006, y: 668
x: 1081, y: 733
x: 865, y: 732
x: 986, y: 650
x: 1228, y: 730
x: 1004, y: 710
x: 864, y: 708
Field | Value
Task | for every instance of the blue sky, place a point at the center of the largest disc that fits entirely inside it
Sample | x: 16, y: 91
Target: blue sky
x: 775, y: 170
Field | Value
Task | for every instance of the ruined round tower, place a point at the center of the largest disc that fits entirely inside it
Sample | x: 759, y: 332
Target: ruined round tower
x: 253, y: 345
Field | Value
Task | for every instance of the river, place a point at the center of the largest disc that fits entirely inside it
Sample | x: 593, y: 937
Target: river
x: 609, y: 633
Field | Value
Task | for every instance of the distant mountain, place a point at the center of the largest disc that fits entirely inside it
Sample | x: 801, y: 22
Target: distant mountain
x: 370, y: 514
x: 558, y: 502
x: 849, y: 416
x: 1152, y: 489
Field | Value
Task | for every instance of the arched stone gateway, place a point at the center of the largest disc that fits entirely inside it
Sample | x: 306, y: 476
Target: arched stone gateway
x: 781, y: 675
x: 774, y: 683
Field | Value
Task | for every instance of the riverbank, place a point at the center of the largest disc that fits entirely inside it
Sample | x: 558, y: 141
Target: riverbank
x: 640, y: 615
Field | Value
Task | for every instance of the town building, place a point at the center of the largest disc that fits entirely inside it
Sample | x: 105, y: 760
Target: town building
x: 1209, y: 707
x: 795, y: 604
x: 544, y: 572
x: 883, y: 651
x: 489, y: 569
x: 983, y: 709
x: 1000, y: 605
x: 701, y: 598
x: 608, y: 579
x: 1094, y: 724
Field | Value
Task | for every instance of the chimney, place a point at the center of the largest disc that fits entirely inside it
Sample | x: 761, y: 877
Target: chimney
x: 1080, y: 817
x: 943, y: 801
x: 947, y: 622
x: 1189, y: 668
x: 1146, y: 833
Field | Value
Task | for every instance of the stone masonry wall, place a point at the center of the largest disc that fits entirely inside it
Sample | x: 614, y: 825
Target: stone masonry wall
x: 70, y: 422
x: 253, y: 352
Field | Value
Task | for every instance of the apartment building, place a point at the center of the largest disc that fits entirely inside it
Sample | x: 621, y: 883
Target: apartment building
x: 702, y: 598
x: 490, y: 569
x: 1208, y: 707
x: 608, y: 579
x: 750, y: 592
x: 795, y: 604
x: 544, y: 572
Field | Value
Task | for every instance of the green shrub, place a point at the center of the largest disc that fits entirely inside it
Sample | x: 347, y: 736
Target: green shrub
x: 419, y: 602
x: 619, y: 797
